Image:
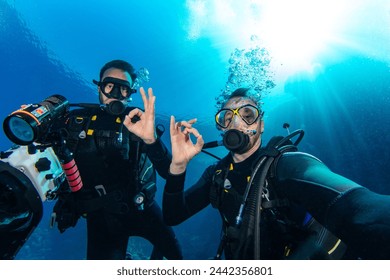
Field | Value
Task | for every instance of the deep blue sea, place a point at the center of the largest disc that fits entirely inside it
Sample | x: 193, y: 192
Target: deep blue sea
x: 329, y: 61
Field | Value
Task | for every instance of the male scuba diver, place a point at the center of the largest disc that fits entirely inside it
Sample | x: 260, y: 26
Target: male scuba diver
x: 109, y: 154
x: 275, y: 202
x: 117, y: 152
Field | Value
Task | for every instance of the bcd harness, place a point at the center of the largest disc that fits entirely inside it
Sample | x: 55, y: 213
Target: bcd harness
x: 117, y: 198
x: 257, y: 202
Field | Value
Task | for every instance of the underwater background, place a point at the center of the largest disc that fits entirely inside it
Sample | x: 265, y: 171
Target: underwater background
x: 321, y: 66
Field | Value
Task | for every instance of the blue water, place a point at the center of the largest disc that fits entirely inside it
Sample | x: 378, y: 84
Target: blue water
x: 342, y: 102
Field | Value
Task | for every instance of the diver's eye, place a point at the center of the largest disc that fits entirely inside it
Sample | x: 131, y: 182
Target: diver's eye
x: 108, y: 87
x: 228, y: 117
x: 125, y: 91
x: 248, y: 114
x: 248, y: 117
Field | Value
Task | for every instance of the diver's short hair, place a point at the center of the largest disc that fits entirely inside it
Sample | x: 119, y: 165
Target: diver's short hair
x: 245, y: 92
x: 119, y: 64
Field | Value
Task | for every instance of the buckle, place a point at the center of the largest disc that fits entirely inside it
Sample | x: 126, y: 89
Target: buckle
x: 139, y: 200
x: 101, y: 190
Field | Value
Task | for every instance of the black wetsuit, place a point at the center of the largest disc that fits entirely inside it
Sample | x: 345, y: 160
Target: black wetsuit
x: 359, y: 217
x: 109, y: 159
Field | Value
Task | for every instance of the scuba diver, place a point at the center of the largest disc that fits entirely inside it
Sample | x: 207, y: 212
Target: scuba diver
x: 109, y: 154
x: 117, y: 152
x: 275, y: 202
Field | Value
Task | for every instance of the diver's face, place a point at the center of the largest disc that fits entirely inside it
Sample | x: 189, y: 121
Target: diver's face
x: 118, y: 74
x: 240, y: 122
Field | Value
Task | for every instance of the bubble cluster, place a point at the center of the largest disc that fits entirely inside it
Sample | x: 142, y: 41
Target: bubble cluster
x: 248, y: 68
x: 142, y: 77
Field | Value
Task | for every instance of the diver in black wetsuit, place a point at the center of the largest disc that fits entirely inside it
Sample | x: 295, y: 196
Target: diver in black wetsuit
x: 116, y: 151
x: 277, y: 208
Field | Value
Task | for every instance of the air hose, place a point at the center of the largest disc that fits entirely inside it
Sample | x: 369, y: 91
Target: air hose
x: 252, y: 201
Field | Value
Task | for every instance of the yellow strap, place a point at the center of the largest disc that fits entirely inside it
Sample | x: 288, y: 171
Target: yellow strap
x: 334, y: 247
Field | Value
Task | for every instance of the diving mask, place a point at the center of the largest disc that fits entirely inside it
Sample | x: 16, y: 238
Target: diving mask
x: 248, y: 113
x: 115, y: 88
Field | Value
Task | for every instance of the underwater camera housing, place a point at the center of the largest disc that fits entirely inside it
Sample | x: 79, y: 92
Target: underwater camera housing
x: 28, y: 177
x: 33, y: 122
x: 31, y: 171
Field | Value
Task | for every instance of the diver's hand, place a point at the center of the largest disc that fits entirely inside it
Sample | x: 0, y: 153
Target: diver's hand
x: 141, y: 123
x: 183, y: 150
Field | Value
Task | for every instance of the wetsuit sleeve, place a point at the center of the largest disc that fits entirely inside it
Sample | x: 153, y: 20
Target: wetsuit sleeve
x: 355, y: 214
x: 159, y: 156
x: 179, y: 205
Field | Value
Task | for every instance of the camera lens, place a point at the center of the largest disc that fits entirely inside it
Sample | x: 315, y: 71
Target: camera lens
x: 19, y: 130
x: 34, y: 121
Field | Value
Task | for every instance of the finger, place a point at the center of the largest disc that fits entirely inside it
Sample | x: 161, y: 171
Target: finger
x: 199, y: 142
x: 135, y: 112
x: 192, y: 130
x: 192, y: 121
x: 150, y: 93
x: 127, y: 121
x: 185, y: 124
x: 199, y: 138
x: 172, y: 125
x: 151, y: 101
x: 188, y: 131
x: 180, y: 127
x: 143, y: 95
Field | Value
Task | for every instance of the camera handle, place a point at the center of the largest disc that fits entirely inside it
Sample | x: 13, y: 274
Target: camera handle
x: 69, y: 166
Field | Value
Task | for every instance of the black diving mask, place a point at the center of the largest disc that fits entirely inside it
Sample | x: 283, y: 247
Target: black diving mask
x: 115, y: 88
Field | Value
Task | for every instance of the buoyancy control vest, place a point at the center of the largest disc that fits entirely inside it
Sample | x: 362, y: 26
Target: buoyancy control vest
x: 113, y: 165
x: 286, y: 231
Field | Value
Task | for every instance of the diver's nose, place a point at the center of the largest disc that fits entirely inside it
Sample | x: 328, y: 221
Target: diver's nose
x: 236, y: 122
